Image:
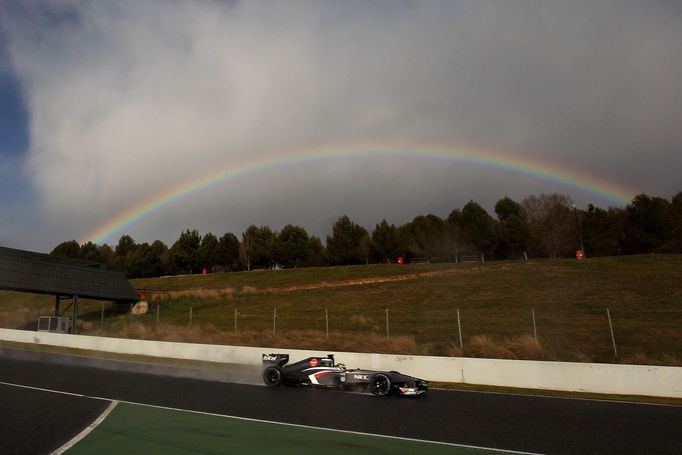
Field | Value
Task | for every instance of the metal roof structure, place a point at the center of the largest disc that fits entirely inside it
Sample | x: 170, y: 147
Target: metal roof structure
x: 38, y: 273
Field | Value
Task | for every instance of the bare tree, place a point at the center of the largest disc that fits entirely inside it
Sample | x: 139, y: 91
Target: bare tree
x: 551, y: 223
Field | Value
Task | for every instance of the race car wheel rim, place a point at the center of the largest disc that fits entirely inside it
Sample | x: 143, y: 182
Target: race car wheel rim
x: 272, y: 376
x: 380, y: 385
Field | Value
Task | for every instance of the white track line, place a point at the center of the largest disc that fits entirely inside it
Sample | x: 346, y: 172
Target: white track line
x: 423, y: 441
x: 93, y: 425
x: 87, y: 429
x: 11, y: 384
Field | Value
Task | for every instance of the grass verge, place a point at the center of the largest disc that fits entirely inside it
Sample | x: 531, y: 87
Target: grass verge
x: 414, y: 309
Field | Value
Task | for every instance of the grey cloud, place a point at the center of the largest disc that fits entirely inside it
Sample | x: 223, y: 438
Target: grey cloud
x: 128, y: 98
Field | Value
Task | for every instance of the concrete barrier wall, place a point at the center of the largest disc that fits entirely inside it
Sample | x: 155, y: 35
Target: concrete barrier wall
x: 565, y: 376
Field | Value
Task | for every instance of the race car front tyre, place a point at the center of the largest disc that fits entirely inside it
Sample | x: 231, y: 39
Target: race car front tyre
x: 272, y: 376
x: 380, y: 385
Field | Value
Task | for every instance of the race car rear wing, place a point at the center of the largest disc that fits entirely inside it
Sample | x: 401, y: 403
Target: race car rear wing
x: 275, y: 359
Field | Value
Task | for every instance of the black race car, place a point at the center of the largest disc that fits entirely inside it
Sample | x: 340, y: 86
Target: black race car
x: 325, y: 372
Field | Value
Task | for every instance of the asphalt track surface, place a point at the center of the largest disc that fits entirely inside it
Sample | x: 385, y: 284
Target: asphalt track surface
x: 37, y: 422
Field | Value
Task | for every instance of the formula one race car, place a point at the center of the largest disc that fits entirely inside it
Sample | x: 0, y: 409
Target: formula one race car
x: 324, y: 372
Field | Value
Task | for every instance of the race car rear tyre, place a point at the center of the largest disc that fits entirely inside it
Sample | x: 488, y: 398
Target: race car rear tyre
x: 380, y: 385
x: 272, y: 376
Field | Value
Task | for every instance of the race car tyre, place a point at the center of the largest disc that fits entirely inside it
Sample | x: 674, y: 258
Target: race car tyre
x: 380, y: 385
x: 272, y: 376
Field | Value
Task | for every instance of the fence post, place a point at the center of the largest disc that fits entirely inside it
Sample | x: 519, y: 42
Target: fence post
x: 158, y: 310
x: 459, y: 328
x: 235, y: 319
x: 613, y: 338
x: 102, y: 316
x: 274, y: 320
x: 535, y: 330
x: 190, y: 315
x: 388, y: 333
x: 326, y: 321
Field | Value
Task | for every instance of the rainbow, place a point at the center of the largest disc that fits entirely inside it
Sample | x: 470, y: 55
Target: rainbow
x: 562, y: 175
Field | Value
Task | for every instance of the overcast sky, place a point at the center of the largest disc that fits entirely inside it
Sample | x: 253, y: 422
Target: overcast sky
x: 104, y: 104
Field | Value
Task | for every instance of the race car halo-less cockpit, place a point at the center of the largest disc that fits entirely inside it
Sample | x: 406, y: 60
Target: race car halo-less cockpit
x: 323, y: 371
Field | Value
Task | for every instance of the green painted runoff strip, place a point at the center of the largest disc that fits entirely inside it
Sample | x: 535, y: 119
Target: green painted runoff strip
x: 133, y: 429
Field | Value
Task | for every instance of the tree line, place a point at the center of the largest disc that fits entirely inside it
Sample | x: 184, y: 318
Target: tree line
x: 545, y: 225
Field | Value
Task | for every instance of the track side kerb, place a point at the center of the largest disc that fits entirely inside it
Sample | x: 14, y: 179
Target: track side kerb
x: 142, y: 428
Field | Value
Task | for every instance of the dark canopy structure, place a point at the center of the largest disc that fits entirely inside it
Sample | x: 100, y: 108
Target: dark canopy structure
x: 38, y: 273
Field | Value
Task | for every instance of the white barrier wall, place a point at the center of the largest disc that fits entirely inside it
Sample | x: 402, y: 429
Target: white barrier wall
x: 566, y: 376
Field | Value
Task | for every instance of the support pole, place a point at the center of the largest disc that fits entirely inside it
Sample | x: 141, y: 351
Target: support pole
x: 459, y: 328
x: 613, y: 338
x: 535, y: 330
x: 235, y: 319
x: 158, y: 312
x: 190, y: 315
x: 74, y: 314
x: 326, y: 321
x: 101, y: 321
x: 57, y: 299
